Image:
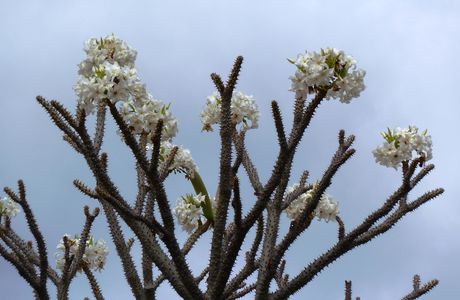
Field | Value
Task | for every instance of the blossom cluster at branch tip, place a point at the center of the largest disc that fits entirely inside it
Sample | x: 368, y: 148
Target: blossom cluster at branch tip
x: 108, y: 72
x: 327, y: 209
x: 94, y: 257
x: 189, y: 211
x: 8, y: 207
x: 183, y: 161
x: 400, y: 144
x: 244, y: 111
x: 143, y: 117
x: 331, y: 70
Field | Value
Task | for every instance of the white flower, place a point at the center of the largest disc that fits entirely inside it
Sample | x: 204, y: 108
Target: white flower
x: 94, y: 257
x: 423, y: 145
x: 329, y: 69
x: 8, y: 207
x: 106, y: 81
x: 143, y: 115
x: 244, y: 110
x: 108, y: 72
x: 327, y: 209
x: 297, y: 205
x: 95, y: 254
x: 211, y: 112
x: 183, y: 161
x: 189, y: 212
x: 400, y: 144
x: 312, y: 71
x: 388, y: 155
x: 109, y: 49
x: 349, y: 87
x: 90, y: 91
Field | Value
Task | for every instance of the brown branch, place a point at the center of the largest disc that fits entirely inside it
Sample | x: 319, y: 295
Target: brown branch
x: 418, y: 290
x: 152, y: 175
x: 142, y: 189
x: 164, y: 171
x: 279, y: 126
x: 251, y: 170
x: 279, y: 278
x: 296, y: 193
x: 218, y: 83
x: 243, y: 292
x: 251, y: 266
x: 22, y: 257
x: 22, y: 270
x: 147, y: 272
x: 268, y: 260
x: 71, y: 143
x: 236, y: 203
x: 283, y: 156
x: 349, y: 242
x: 59, y: 121
x: 216, y: 282
x: 100, y: 124
x: 396, y: 216
x: 278, y: 171
x: 42, y: 292
x: 18, y: 245
x: 129, y: 269
x: 99, y: 171
x: 127, y: 213
x: 303, y: 221
x: 192, y: 239
x: 341, y: 233
x: 347, y: 290
x: 67, y: 115
x: 74, y: 263
x: 93, y: 283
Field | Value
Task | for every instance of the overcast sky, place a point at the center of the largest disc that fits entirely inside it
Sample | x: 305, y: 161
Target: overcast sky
x: 409, y: 49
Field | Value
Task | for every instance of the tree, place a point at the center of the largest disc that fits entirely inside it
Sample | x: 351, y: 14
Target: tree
x: 108, y: 79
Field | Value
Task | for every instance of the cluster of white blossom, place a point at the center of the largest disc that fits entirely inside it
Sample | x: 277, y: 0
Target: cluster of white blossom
x: 94, y: 257
x: 327, y: 208
x: 8, y: 207
x: 399, y: 145
x: 108, y: 72
x: 143, y: 117
x: 189, y: 212
x: 110, y: 49
x: 244, y: 109
x: 329, y: 69
x: 183, y: 161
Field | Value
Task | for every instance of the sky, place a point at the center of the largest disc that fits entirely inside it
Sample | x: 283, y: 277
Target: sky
x: 409, y: 50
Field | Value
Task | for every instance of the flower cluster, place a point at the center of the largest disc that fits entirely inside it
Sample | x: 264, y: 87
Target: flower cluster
x: 94, y: 257
x: 143, y: 117
x: 110, y: 49
x: 399, y: 145
x: 183, y: 161
x: 189, y: 211
x: 244, y: 110
x: 330, y: 70
x: 108, y: 73
x: 327, y: 208
x: 8, y: 207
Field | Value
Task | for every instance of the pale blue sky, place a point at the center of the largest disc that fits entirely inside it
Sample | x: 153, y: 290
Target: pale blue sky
x: 409, y: 49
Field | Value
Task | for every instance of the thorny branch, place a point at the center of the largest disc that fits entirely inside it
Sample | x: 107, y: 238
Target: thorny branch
x: 150, y: 216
